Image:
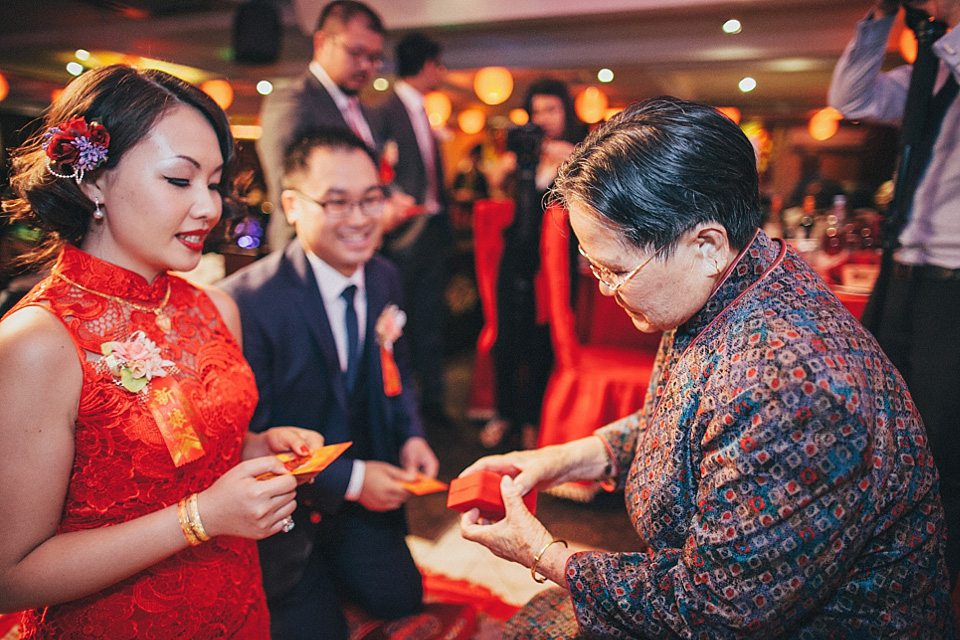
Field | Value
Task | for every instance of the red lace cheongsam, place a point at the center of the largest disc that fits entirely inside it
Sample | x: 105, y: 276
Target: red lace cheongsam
x: 123, y: 467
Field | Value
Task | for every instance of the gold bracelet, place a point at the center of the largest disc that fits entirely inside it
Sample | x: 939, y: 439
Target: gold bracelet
x: 193, y: 513
x: 536, y: 559
x: 192, y: 539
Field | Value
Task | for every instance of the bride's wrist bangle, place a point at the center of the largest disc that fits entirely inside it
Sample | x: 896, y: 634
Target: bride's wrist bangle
x: 536, y: 559
x: 185, y: 527
x: 193, y: 514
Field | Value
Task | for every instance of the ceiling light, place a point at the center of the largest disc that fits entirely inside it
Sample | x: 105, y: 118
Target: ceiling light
x: 605, y: 75
x: 732, y: 26
x: 381, y: 84
x: 74, y: 68
x: 264, y: 87
x: 747, y: 85
x: 82, y: 54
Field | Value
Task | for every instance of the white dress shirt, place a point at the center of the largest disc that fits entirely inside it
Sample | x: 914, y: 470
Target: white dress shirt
x: 358, y: 123
x: 861, y: 90
x: 413, y: 102
x: 331, y: 284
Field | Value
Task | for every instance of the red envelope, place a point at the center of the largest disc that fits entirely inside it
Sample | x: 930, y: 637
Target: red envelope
x: 424, y: 485
x: 482, y: 490
x: 317, y: 460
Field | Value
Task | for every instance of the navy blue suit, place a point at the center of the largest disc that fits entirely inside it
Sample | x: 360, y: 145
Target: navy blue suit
x: 420, y: 254
x: 337, y: 548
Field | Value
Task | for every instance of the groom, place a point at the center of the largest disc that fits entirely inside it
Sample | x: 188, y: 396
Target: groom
x: 310, y: 316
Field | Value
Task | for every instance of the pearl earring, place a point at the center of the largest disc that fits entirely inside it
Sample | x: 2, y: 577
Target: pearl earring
x: 98, y: 212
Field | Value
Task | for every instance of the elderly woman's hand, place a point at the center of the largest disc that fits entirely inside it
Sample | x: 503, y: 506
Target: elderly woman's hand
x: 583, y: 459
x: 517, y: 537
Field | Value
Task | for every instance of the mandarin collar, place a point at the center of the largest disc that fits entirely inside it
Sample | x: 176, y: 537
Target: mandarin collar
x: 107, y: 278
x: 749, y: 267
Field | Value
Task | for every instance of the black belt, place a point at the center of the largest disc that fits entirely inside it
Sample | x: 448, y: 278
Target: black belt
x: 924, y: 272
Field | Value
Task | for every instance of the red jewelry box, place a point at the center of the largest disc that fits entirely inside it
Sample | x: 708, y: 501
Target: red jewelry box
x: 482, y: 490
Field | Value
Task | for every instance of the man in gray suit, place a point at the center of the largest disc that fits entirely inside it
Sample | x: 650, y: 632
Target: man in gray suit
x: 420, y: 245
x: 347, y: 51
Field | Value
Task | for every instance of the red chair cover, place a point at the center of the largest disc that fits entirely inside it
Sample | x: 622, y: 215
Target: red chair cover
x: 490, y: 217
x: 591, y: 385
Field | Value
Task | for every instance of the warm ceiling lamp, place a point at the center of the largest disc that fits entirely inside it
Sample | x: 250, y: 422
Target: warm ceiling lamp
x: 220, y: 91
x: 471, y: 121
x: 591, y: 105
x: 4, y: 87
x: 493, y: 85
x: 519, y: 117
x: 438, y: 108
x: 731, y: 112
x: 908, y: 45
x: 824, y: 123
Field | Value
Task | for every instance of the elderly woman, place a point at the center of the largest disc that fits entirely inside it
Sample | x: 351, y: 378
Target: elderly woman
x: 778, y: 471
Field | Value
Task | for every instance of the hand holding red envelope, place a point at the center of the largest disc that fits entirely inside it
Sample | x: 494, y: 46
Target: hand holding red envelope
x: 314, y: 462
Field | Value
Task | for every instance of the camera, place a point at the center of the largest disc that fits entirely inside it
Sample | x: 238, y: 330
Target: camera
x: 525, y: 143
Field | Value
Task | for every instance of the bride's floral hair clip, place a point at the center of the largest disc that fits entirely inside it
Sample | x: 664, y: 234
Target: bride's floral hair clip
x: 74, y: 147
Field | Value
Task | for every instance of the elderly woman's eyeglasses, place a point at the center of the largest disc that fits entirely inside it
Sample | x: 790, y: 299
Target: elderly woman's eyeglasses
x: 370, y: 205
x: 613, y: 281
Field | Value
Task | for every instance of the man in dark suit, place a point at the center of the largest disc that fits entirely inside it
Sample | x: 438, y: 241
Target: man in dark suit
x: 347, y: 51
x: 420, y: 245
x: 314, y: 332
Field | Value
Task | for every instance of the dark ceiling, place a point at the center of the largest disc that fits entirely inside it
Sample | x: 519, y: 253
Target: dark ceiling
x: 671, y: 46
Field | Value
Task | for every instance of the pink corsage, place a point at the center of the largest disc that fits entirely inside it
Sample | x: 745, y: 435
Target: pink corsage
x: 74, y: 147
x: 389, y: 328
x: 134, y: 362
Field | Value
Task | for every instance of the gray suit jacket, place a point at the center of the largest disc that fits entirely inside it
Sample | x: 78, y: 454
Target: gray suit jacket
x: 288, y: 112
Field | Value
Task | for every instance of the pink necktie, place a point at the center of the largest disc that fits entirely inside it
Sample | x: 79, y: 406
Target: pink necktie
x: 356, y: 122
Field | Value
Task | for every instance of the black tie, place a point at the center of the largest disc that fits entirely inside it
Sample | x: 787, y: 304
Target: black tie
x: 350, y: 320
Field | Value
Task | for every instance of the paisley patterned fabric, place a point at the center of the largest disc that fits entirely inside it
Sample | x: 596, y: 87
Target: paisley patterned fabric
x: 122, y: 468
x: 780, y: 474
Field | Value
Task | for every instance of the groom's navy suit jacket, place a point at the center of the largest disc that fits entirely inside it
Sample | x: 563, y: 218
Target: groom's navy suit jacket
x: 288, y: 343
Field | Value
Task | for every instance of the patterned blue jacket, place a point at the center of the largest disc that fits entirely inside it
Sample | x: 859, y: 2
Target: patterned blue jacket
x: 780, y: 475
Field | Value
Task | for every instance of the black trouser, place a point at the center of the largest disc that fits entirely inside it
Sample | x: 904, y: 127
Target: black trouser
x: 424, y: 268
x: 522, y: 353
x: 919, y: 330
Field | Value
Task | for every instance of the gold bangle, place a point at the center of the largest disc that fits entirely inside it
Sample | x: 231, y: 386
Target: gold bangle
x: 536, y: 559
x: 193, y: 513
x: 192, y: 539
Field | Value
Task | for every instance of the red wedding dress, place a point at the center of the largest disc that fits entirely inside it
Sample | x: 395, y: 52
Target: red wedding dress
x: 123, y: 469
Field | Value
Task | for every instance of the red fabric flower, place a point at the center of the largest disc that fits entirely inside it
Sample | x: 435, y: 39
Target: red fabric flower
x: 61, y: 149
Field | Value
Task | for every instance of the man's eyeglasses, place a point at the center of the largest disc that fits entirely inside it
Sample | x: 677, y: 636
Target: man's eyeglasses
x: 370, y: 205
x: 359, y: 54
x: 608, y: 278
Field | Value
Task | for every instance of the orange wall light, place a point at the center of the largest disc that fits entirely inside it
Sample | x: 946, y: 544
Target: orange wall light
x: 4, y: 87
x: 519, y: 117
x: 471, y: 121
x: 908, y: 45
x: 824, y: 123
x: 731, y: 112
x: 438, y: 108
x: 220, y: 91
x: 591, y: 105
x: 493, y: 85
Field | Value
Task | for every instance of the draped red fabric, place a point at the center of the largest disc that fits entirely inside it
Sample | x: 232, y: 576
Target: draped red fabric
x: 490, y: 217
x: 591, y: 385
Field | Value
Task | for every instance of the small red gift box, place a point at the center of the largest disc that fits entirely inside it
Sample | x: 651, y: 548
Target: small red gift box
x: 482, y: 490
